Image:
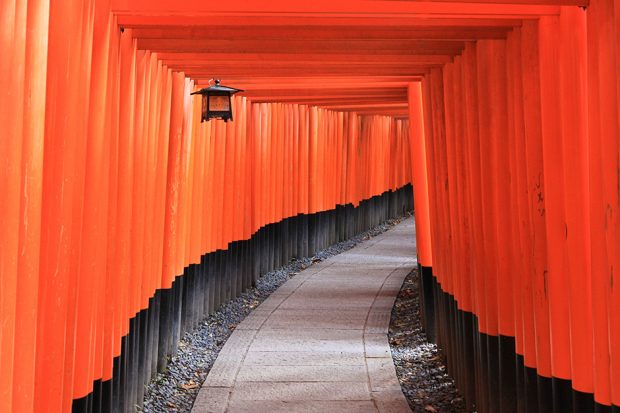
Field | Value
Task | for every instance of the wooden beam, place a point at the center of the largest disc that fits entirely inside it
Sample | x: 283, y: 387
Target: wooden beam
x: 345, y: 58
x: 337, y: 8
x: 133, y: 20
x: 390, y: 32
x: 294, y: 46
x: 250, y: 67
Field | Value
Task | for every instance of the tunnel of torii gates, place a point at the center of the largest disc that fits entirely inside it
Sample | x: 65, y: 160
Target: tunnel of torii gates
x: 125, y: 220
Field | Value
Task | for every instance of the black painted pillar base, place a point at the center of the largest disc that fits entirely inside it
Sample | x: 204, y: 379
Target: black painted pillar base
x: 491, y: 377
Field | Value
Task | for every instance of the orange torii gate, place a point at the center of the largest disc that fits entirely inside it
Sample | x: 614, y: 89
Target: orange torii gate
x: 504, y: 116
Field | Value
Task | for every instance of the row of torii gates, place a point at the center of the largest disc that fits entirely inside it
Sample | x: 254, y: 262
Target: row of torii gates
x: 504, y: 115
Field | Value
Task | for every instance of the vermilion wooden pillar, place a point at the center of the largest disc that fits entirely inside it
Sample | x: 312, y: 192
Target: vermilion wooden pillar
x: 603, y: 195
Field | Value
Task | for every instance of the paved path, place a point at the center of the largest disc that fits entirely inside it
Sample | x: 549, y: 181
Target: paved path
x: 319, y: 343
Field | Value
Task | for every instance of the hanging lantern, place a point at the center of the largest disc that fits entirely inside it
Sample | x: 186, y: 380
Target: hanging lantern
x: 216, y: 102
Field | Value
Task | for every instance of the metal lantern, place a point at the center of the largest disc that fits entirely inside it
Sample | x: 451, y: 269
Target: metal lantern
x: 216, y: 102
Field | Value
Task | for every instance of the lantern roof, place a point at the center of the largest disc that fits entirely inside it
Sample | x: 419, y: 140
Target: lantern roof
x: 216, y: 88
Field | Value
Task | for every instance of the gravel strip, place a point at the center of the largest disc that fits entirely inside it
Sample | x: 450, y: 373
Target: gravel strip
x: 176, y: 389
x: 422, y: 375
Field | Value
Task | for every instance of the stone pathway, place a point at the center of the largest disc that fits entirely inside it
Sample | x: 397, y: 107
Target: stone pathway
x: 319, y: 343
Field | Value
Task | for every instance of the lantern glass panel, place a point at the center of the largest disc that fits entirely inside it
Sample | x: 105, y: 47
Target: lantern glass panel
x: 204, y: 107
x: 219, y: 103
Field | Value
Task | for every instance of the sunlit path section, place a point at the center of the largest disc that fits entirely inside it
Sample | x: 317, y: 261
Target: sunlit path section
x: 319, y: 343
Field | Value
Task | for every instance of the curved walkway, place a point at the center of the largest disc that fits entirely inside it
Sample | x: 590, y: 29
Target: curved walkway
x: 319, y: 343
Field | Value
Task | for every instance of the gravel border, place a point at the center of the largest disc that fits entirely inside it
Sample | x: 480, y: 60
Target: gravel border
x: 422, y: 375
x: 176, y: 389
